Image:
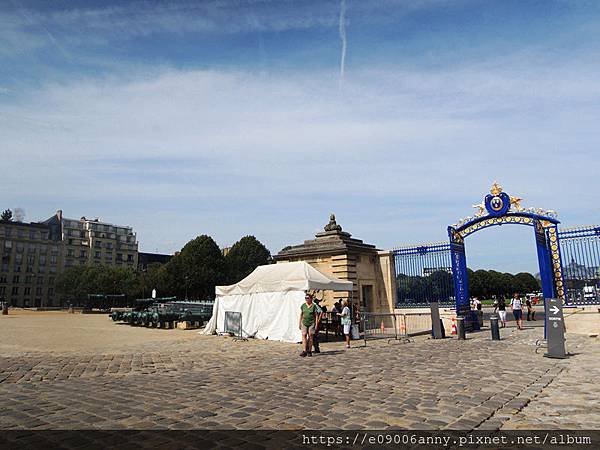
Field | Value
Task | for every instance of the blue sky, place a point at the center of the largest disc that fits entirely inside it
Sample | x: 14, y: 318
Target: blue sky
x: 232, y: 117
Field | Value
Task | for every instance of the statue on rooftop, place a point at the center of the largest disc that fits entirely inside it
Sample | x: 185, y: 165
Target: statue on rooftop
x: 332, y: 225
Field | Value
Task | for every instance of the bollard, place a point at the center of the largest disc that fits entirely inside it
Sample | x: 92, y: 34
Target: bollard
x: 460, y: 328
x: 495, y: 328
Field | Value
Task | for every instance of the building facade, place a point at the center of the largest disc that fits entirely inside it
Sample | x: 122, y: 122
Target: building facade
x: 31, y: 259
x: 336, y: 253
x: 33, y: 254
x: 91, y: 242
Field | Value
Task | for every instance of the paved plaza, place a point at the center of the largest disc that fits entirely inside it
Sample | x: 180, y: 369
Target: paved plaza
x: 61, y: 371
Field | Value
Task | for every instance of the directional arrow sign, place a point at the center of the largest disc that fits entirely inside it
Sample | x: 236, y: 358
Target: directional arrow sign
x: 555, y: 329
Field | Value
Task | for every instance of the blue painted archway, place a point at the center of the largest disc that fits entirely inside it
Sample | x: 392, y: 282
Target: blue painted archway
x: 498, y: 208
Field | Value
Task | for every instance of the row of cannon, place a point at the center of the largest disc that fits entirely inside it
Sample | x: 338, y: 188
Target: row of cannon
x: 165, y: 315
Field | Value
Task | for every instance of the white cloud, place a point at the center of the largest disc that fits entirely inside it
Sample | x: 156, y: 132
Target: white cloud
x: 229, y: 150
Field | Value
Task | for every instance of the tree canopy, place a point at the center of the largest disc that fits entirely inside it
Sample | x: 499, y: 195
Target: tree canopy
x: 195, y: 271
x: 244, y: 256
x: 6, y: 215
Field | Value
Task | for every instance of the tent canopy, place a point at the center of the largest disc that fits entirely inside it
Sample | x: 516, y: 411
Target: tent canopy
x: 284, y: 277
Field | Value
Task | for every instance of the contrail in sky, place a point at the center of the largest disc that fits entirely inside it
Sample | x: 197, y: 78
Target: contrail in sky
x: 342, y: 28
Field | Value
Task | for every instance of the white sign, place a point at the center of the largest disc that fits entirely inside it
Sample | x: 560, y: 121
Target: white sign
x: 153, y: 293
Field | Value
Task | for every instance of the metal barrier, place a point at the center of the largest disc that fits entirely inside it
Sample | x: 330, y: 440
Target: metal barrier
x: 394, y: 326
x: 233, y: 325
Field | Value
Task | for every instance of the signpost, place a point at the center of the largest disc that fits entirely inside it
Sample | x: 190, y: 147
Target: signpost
x: 555, y: 329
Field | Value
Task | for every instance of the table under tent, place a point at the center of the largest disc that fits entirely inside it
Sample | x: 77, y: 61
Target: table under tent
x: 269, y: 300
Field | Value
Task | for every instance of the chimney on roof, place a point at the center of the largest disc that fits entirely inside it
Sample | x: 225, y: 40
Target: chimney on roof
x: 59, y: 214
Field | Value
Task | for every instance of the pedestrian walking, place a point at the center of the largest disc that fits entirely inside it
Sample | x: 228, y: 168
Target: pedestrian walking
x: 346, y: 322
x: 318, y: 317
x: 501, y: 307
x: 517, y: 309
x: 307, y: 323
x: 530, y: 310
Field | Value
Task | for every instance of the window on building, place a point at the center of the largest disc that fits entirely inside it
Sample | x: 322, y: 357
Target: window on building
x: 42, y: 260
x: 20, y: 233
x: 43, y: 249
x: 4, y: 267
x: 29, y: 269
x: 70, y: 252
x: 27, y: 291
x: 2, y: 291
x: 44, y: 235
x: 50, y: 291
x: 28, y: 279
x: 97, y: 255
x: 15, y: 290
x: 129, y: 258
x: 53, y: 260
x: 119, y: 256
x: 82, y: 254
x: 31, y: 259
x: 41, y: 269
x: 54, y: 250
x: 52, y: 270
x: 40, y: 280
x: 8, y: 231
x: 17, y: 268
x: 2, y: 278
x: 7, y: 246
x: 20, y: 247
x: 32, y: 248
x: 38, y: 291
x: 50, y: 281
x: 18, y: 258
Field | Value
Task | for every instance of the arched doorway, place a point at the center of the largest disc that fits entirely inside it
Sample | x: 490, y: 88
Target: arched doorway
x: 498, y: 208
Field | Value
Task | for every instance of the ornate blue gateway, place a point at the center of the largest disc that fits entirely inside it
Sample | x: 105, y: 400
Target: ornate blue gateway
x: 498, y: 208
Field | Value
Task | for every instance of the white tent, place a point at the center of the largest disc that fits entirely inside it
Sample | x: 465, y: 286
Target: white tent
x: 269, y: 300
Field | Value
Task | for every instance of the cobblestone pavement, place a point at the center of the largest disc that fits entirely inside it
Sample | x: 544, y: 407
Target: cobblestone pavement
x: 217, y: 383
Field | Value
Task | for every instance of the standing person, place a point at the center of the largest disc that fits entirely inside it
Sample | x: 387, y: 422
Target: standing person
x: 307, y: 322
x: 318, y: 317
x: 346, y: 321
x: 530, y: 310
x: 517, y: 309
x: 337, y: 309
x: 501, y: 306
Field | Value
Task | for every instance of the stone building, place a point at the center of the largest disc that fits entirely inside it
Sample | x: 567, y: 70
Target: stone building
x: 86, y: 241
x: 34, y: 254
x: 31, y: 259
x: 336, y: 253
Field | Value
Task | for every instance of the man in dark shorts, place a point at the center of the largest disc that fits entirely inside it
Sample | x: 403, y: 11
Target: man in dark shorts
x: 307, y: 322
x: 517, y: 309
x: 530, y: 310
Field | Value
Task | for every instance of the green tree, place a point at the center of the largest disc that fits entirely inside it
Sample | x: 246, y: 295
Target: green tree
x: 202, y: 266
x: 244, y: 256
x: 6, y: 215
x: 526, y: 283
x: 70, y: 284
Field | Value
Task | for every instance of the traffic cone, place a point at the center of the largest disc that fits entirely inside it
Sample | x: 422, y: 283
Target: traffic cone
x: 453, y: 325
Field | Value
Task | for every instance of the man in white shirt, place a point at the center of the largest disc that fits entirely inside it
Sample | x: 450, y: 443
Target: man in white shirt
x: 517, y: 308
